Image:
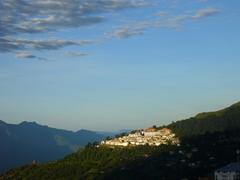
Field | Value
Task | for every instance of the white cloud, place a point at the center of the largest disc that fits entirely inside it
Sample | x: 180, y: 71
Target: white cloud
x: 164, y: 20
x: 25, y: 18
x: 28, y: 55
x: 76, y: 54
x: 8, y: 44
x: 206, y: 12
x: 22, y: 16
x: 25, y: 54
x: 19, y: 17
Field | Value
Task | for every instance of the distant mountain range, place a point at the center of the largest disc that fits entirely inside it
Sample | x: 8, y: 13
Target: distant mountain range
x: 22, y: 143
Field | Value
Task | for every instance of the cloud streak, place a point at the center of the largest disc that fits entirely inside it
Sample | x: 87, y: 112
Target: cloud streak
x: 24, y: 54
x: 163, y: 21
x: 76, y: 54
x: 10, y: 44
x: 28, y: 55
x: 24, y: 17
x: 206, y: 12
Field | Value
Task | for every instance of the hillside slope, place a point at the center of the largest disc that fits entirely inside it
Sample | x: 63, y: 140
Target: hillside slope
x: 196, y: 157
x: 218, y: 121
x: 208, y: 141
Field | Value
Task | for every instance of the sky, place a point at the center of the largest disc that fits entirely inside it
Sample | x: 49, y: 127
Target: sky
x: 117, y: 64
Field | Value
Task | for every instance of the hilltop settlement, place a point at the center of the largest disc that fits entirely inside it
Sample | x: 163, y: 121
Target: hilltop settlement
x: 151, y: 136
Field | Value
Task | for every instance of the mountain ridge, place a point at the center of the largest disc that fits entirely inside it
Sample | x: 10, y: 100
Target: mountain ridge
x: 219, y: 112
x: 204, y: 139
x: 214, y: 121
x: 21, y: 143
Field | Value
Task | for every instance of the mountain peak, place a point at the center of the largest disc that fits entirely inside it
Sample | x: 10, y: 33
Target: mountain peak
x: 26, y: 123
x: 2, y: 122
x: 84, y: 131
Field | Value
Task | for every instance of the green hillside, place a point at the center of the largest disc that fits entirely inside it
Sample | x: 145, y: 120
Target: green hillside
x: 218, y: 121
x: 196, y: 157
x: 208, y: 141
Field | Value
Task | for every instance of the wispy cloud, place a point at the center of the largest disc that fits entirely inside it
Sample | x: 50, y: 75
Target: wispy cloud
x: 206, y: 12
x: 19, y: 17
x: 164, y: 20
x: 8, y: 44
x: 25, y: 54
x: 28, y: 55
x: 24, y: 18
x: 76, y: 54
x: 128, y: 31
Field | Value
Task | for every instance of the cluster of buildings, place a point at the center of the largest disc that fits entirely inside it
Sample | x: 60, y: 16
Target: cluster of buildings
x: 150, y: 136
x: 157, y: 137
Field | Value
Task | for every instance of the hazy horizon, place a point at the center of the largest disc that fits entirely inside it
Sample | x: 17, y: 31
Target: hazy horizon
x: 108, y: 65
x: 112, y: 129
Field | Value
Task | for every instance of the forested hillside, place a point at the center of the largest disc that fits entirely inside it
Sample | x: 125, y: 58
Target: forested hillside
x: 226, y: 119
x: 208, y: 141
x: 196, y: 157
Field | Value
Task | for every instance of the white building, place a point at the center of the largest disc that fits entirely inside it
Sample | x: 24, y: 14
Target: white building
x: 229, y: 172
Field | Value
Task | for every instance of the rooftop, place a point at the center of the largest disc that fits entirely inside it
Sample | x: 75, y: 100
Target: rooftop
x: 233, y: 167
x: 151, y: 130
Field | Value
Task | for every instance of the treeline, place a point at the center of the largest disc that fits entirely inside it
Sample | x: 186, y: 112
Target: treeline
x: 226, y: 119
x: 88, y: 163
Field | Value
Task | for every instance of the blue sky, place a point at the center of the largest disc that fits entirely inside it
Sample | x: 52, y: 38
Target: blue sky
x: 111, y: 64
